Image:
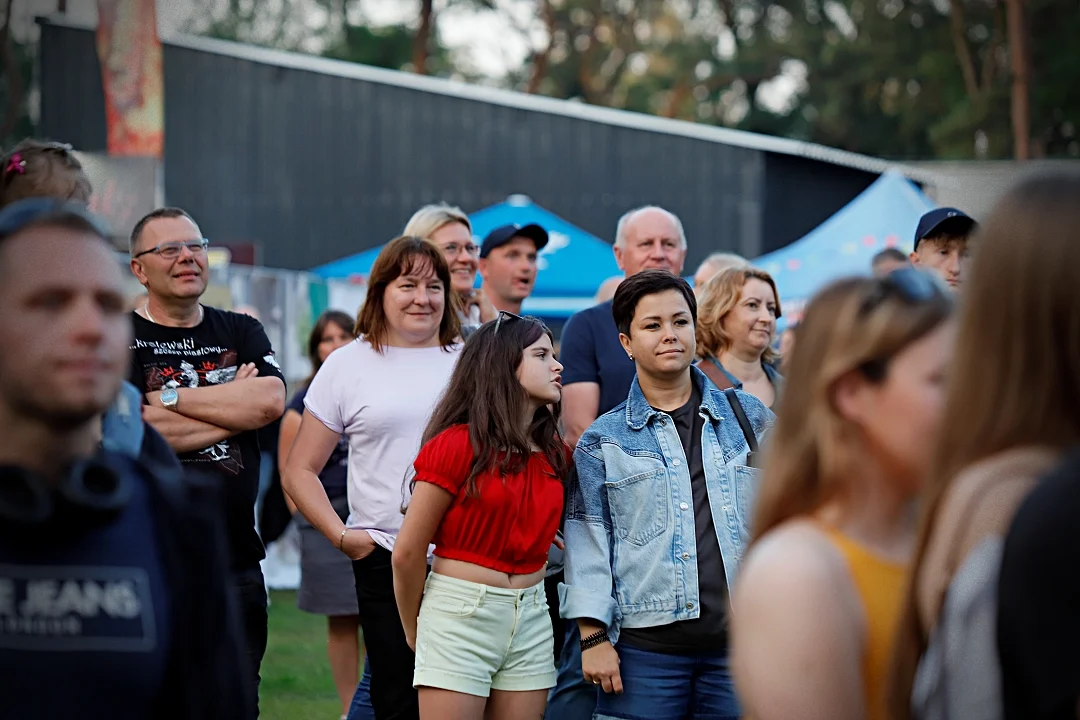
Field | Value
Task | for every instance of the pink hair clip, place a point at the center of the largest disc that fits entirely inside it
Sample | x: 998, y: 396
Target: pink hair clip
x: 16, y: 165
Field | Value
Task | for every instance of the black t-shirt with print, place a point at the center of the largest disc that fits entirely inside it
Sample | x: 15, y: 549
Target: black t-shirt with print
x: 210, y: 354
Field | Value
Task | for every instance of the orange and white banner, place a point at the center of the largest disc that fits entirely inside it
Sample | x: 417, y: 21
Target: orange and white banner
x: 130, y: 54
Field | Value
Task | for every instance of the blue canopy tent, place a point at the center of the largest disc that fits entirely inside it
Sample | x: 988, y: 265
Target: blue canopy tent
x: 884, y: 215
x: 570, y: 268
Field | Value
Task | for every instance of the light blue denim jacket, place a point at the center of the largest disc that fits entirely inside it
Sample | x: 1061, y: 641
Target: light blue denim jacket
x: 631, y: 546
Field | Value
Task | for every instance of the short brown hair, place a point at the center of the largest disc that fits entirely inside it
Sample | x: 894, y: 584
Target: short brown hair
x: 719, y: 296
x: 37, y: 168
x: 400, y: 257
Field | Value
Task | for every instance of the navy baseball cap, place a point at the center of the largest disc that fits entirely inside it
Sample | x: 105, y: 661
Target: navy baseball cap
x: 502, y: 235
x: 23, y: 213
x: 944, y: 221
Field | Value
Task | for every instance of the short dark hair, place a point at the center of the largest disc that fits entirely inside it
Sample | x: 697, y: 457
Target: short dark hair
x: 889, y: 253
x: 647, y: 282
x: 165, y: 212
x: 399, y: 257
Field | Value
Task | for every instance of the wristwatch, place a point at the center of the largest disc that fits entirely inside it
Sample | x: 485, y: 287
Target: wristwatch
x: 169, y: 398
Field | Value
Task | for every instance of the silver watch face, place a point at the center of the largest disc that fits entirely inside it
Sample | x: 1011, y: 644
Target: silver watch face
x: 169, y: 397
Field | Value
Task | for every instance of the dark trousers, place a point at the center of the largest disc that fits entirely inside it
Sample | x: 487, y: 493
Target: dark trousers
x: 251, y: 600
x: 558, y: 625
x: 392, y: 662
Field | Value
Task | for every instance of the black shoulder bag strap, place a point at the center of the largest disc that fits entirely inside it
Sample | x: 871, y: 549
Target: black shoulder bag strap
x: 744, y: 423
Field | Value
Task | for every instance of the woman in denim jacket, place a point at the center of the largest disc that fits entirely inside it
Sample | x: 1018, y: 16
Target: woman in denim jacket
x: 657, y: 517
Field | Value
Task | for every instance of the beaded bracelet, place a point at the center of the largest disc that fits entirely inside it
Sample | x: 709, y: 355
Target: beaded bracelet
x: 597, y: 638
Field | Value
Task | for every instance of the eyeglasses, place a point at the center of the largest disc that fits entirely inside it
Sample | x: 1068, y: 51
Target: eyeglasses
x: 505, y: 314
x: 909, y: 284
x: 453, y: 249
x: 172, y: 250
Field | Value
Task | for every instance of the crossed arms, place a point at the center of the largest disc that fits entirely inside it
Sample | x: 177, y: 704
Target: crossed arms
x: 207, y: 415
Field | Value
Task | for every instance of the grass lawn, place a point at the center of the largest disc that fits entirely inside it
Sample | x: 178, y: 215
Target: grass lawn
x: 296, y: 680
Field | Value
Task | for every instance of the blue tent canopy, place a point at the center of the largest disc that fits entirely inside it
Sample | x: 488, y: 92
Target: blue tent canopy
x: 570, y: 269
x: 884, y: 215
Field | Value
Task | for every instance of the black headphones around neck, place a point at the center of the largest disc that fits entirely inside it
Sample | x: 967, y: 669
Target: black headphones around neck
x: 90, y: 494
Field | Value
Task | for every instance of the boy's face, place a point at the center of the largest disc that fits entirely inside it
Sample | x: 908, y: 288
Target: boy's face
x: 947, y: 256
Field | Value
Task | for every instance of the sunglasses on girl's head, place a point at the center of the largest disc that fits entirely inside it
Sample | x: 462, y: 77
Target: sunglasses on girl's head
x: 910, y: 284
x: 505, y: 314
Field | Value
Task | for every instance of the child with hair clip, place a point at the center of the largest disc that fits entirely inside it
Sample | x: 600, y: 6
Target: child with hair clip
x: 37, y: 168
x: 488, y: 492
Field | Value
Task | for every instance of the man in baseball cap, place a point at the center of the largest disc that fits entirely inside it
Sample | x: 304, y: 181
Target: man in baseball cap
x: 941, y: 244
x: 508, y: 264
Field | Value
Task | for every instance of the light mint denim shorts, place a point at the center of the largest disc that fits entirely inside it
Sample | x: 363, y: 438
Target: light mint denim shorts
x: 474, y: 638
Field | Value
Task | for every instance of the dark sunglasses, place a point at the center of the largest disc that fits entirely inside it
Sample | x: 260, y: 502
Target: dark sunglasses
x: 910, y: 285
x: 505, y: 314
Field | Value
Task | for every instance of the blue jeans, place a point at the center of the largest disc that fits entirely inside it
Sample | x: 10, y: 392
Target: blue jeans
x: 657, y: 686
x: 361, y: 700
x: 572, y: 698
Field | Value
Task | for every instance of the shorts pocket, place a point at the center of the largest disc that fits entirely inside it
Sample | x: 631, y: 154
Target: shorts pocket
x: 450, y: 605
x: 639, y: 506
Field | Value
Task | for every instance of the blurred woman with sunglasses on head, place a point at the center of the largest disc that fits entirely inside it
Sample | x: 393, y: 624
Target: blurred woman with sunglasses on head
x: 1012, y: 410
x: 488, y: 491
x: 815, y: 610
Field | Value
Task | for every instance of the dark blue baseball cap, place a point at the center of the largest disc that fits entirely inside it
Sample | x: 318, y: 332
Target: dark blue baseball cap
x: 24, y: 213
x: 944, y: 221
x: 502, y: 235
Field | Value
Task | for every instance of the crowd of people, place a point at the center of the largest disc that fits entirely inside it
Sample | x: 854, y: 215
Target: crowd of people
x: 668, y: 513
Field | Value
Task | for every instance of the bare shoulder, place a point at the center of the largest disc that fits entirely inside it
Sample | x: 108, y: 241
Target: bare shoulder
x: 797, y: 551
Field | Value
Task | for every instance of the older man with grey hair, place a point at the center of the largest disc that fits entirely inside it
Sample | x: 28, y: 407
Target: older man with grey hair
x: 597, y: 375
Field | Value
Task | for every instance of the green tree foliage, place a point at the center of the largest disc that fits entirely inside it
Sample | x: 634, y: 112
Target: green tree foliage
x: 892, y: 78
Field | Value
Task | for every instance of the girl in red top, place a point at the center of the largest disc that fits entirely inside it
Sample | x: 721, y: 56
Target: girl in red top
x: 488, y: 492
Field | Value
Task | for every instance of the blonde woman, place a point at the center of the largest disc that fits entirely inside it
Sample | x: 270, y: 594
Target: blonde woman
x: 449, y: 228
x: 819, y: 593
x: 736, y: 328
x: 1012, y: 410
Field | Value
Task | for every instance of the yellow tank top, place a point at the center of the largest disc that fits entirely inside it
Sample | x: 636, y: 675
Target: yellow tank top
x: 880, y: 585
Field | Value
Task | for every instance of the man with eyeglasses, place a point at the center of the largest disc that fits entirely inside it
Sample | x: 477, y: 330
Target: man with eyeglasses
x: 210, y: 381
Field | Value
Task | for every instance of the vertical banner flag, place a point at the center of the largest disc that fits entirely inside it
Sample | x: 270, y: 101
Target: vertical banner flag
x: 129, y: 51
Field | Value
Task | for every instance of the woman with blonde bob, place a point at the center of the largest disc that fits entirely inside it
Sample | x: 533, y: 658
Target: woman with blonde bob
x: 449, y: 228
x: 819, y: 594
x: 736, y: 328
x: 1012, y: 409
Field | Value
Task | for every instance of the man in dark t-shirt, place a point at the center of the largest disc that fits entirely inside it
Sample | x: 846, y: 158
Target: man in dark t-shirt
x: 210, y: 382
x: 99, y: 550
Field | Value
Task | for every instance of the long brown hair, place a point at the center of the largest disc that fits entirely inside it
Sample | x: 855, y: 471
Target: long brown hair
x: 484, y: 393
x: 719, y: 296
x: 329, y: 317
x: 812, y: 448
x: 402, y: 256
x: 1015, y: 378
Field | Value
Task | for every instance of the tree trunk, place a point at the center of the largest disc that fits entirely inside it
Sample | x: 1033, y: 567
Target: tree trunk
x: 1021, y: 71
x: 541, y: 58
x: 963, y: 51
x: 423, y: 38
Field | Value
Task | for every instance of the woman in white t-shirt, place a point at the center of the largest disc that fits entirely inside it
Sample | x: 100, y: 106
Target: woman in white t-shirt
x: 379, y: 391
